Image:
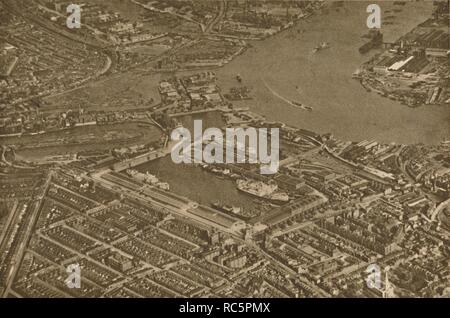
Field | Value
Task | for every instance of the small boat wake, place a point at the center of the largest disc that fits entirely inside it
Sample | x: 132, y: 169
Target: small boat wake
x: 292, y: 103
x: 321, y: 46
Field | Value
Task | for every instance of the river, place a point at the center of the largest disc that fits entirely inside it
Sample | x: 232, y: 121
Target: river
x: 286, y: 64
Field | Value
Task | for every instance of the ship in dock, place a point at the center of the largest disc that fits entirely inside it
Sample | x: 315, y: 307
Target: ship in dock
x: 148, y: 179
x: 263, y: 190
x: 376, y: 40
x: 226, y: 208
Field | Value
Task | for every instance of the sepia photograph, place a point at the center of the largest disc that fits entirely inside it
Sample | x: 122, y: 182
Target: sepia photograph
x: 224, y: 149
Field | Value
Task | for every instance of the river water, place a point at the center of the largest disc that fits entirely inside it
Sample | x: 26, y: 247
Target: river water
x: 286, y: 65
